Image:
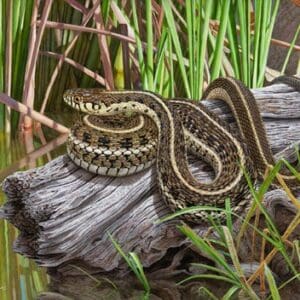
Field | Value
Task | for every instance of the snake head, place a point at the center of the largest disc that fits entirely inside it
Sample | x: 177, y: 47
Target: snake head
x: 73, y: 97
x: 85, y: 100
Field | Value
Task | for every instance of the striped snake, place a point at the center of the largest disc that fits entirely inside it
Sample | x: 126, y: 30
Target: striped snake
x: 167, y: 130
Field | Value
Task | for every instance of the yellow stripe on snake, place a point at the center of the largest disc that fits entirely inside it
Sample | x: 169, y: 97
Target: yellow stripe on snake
x: 167, y: 130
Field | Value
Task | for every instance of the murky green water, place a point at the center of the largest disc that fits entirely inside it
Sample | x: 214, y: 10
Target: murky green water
x: 21, y: 278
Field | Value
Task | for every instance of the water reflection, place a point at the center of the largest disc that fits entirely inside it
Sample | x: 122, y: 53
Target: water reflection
x: 20, y: 278
x: 29, y: 160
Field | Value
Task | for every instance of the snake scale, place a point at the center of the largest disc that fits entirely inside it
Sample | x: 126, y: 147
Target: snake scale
x: 124, y: 132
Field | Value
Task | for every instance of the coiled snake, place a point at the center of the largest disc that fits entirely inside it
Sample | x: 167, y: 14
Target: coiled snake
x: 165, y: 132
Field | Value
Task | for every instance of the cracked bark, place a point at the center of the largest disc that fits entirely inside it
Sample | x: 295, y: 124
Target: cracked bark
x: 64, y: 213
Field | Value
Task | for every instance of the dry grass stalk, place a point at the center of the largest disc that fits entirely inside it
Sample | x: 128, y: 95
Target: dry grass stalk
x: 28, y: 93
x: 32, y: 114
x: 76, y: 65
x: 71, y: 45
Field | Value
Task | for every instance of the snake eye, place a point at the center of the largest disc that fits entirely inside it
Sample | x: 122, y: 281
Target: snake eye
x: 76, y: 99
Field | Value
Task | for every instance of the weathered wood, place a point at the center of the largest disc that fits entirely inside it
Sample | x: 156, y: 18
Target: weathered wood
x: 286, y: 24
x: 64, y: 213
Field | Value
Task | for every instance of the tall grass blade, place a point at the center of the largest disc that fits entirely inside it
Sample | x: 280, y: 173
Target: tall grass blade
x: 139, y: 47
x: 290, y: 50
x: 160, y: 62
x: 284, y: 284
x: 272, y: 284
x: 218, y: 52
x: 189, y: 210
x: 258, y: 198
x: 211, y: 252
x: 233, y: 41
x: 171, y: 86
x: 206, y: 292
x: 291, y: 169
x: 208, y: 276
x: 135, y: 265
x: 276, y: 240
x: 257, y: 40
x: 228, y: 215
x: 272, y: 9
x: 149, y: 31
x: 234, y: 257
x: 242, y: 7
x: 190, y: 13
x: 230, y: 293
x: 177, y: 45
x: 210, y: 268
x: 203, y: 43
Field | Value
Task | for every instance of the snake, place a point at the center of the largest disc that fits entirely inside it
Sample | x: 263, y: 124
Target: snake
x: 113, y: 146
x: 175, y: 126
x: 246, y: 113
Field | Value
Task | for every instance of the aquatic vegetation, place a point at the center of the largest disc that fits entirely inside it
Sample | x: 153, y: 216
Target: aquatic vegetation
x: 170, y: 48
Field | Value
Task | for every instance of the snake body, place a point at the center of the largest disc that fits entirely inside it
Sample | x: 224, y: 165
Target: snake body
x: 113, y: 146
x: 246, y: 113
x: 179, y: 125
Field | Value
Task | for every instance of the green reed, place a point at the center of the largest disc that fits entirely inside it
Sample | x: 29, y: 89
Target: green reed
x: 176, y: 49
x: 20, y: 278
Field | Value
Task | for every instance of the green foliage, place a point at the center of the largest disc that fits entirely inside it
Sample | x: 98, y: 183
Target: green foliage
x: 223, y: 252
x: 178, y: 48
x: 21, y: 17
x: 210, y: 39
x: 20, y: 278
x: 135, y: 265
x: 272, y: 284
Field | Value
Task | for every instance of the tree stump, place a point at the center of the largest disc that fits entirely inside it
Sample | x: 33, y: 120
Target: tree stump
x: 65, y: 213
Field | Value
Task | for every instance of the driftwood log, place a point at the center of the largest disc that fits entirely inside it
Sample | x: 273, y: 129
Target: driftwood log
x: 65, y: 213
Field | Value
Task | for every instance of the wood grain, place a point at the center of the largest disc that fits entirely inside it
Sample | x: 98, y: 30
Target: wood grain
x: 64, y: 213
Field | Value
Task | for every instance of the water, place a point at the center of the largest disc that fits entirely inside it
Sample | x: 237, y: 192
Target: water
x: 21, y: 278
